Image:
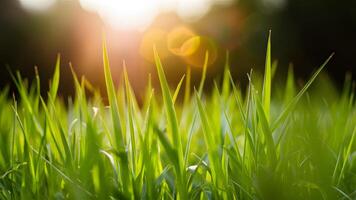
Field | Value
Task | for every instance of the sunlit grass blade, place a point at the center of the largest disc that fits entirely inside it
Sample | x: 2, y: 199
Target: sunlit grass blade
x: 117, y: 125
x: 173, y: 127
x: 226, y: 77
x: 66, y: 155
x: 130, y: 116
x: 22, y: 90
x: 267, y: 81
x: 203, y: 77
x: 38, y: 91
x: 111, y: 92
x: 271, y: 151
x: 187, y: 86
x: 190, y: 135
x: 176, y: 92
x: 169, y: 107
x: 55, y: 80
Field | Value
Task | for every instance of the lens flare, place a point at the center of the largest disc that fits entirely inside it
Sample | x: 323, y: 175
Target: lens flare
x: 177, y: 37
x: 191, y: 47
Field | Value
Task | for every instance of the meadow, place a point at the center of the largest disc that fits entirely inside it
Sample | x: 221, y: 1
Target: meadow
x: 271, y: 140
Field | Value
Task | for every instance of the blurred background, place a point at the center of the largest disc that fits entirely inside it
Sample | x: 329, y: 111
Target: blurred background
x: 33, y: 32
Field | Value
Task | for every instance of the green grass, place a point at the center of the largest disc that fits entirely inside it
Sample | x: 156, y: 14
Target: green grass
x: 276, y: 140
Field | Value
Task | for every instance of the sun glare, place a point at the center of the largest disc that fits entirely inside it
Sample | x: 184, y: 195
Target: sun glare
x: 134, y: 14
x: 128, y: 14
x: 37, y: 5
x: 192, y: 10
x: 138, y: 14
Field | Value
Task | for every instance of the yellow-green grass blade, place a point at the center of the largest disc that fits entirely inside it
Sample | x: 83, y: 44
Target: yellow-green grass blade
x: 130, y: 117
x: 173, y: 128
x: 111, y: 92
x: 346, y: 156
x: 267, y: 81
x: 60, y: 129
x: 271, y: 151
x: 205, y: 67
x: 176, y: 92
x: 226, y: 85
x: 169, y: 106
x: 120, y: 151
x: 187, y: 86
x: 55, y: 80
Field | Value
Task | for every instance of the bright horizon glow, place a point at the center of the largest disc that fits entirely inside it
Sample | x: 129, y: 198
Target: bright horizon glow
x: 37, y: 5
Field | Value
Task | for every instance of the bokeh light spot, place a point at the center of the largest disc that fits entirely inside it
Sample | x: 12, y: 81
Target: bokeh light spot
x: 196, y: 58
x: 183, y: 42
x: 177, y: 37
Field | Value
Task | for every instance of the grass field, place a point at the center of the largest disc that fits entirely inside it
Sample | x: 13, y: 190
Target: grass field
x: 270, y: 141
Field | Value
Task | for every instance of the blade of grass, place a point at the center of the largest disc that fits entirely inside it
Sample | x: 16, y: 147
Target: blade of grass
x: 176, y: 92
x: 130, y: 118
x: 112, y: 99
x: 118, y: 132
x: 172, y: 127
x: 205, y: 66
x: 169, y: 107
x: 346, y: 156
x: 55, y: 80
x: 266, y: 132
x: 266, y: 92
x: 187, y: 86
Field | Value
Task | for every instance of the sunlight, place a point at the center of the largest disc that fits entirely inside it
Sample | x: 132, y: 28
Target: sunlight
x: 123, y: 14
x: 192, y: 10
x: 138, y: 14
x: 37, y: 5
x: 128, y: 14
x: 134, y: 14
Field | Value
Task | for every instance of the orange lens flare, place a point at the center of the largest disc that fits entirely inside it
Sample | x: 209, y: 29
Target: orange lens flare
x: 191, y: 47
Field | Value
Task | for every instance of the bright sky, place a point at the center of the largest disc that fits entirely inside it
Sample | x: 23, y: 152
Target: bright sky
x: 134, y: 14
